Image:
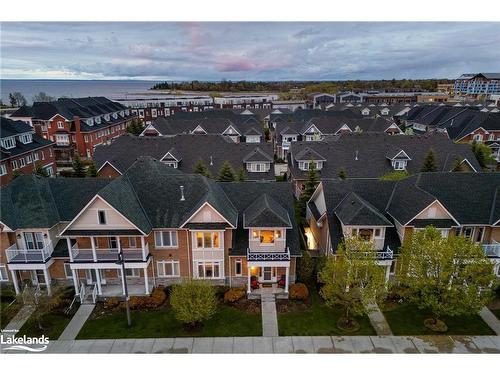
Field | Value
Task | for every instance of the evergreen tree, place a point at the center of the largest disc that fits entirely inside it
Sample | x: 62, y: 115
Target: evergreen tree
x: 483, y: 154
x: 226, y: 172
x: 201, y: 168
x: 312, y: 181
x: 78, y: 168
x: 135, y: 127
x: 457, y: 165
x: 241, y: 176
x: 92, y: 170
x: 40, y: 171
x: 342, y: 174
x: 429, y: 164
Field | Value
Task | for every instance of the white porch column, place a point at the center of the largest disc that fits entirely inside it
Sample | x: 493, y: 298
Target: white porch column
x: 15, y: 281
x: 146, y: 281
x: 68, y: 242
x: 249, y: 287
x: 143, y: 247
x: 287, y: 271
x: 98, y: 281
x: 387, y: 273
x: 47, y: 281
x: 75, y: 281
x: 92, y: 243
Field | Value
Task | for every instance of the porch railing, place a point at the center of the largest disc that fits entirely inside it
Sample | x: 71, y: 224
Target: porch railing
x: 270, y: 256
x: 94, y: 294
x: 492, y: 250
x: 14, y: 254
x: 108, y: 254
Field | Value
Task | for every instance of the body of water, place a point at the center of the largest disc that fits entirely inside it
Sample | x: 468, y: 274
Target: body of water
x: 71, y: 88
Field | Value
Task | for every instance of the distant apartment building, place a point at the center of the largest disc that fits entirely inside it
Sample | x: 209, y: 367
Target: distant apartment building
x: 480, y: 84
x: 76, y: 125
x: 447, y: 88
x: 238, y: 101
x: 22, y: 150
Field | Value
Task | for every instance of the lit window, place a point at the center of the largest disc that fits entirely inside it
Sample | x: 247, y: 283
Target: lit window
x: 207, y: 240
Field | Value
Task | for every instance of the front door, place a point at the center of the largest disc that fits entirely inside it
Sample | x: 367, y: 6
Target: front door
x: 37, y: 277
x: 90, y: 275
x: 267, y: 274
x: 33, y: 240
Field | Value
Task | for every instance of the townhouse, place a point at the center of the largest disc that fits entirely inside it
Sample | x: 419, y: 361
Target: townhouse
x: 21, y: 150
x: 476, y: 85
x: 239, y: 128
x: 236, y: 101
x: 76, y: 124
x: 184, y: 151
x: 160, y: 224
x: 387, y: 212
x: 372, y: 155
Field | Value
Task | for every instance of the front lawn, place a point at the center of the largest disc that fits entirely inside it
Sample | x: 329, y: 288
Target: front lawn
x: 9, y: 307
x: 407, y: 319
x: 53, y: 325
x: 227, y: 321
x: 318, y: 320
x: 497, y: 313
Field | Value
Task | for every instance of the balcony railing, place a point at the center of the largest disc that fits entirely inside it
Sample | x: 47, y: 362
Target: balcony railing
x: 271, y: 256
x: 492, y: 250
x: 15, y: 255
x: 108, y: 254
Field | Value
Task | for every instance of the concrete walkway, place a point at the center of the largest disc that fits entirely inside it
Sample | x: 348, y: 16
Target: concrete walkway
x: 18, y: 321
x: 77, y: 322
x: 377, y: 319
x: 490, y: 319
x: 269, y: 316
x: 295, y: 344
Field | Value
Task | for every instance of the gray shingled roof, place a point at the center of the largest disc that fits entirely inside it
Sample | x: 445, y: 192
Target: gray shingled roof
x: 266, y: 212
x: 354, y: 210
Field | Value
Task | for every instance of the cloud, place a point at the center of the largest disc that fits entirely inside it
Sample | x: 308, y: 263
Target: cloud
x: 249, y: 50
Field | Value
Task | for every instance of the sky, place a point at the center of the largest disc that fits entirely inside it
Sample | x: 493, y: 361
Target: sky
x: 247, y: 51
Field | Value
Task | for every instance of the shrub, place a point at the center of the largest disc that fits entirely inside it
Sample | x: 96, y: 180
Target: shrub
x: 158, y: 297
x: 299, y: 292
x: 234, y: 294
x: 193, y: 301
x: 111, y: 303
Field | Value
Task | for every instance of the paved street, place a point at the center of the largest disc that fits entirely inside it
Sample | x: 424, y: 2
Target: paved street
x: 295, y: 344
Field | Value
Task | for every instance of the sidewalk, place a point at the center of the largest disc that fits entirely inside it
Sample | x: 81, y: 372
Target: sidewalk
x: 378, y: 321
x: 295, y: 344
x: 18, y: 320
x: 269, y: 316
x: 77, y: 322
x: 490, y: 319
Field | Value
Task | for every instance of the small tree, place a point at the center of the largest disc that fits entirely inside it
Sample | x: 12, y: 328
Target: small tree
x: 305, y: 268
x: 43, y: 97
x: 241, y: 176
x: 483, y: 154
x: 40, y: 171
x: 448, y: 276
x: 41, y: 303
x: 201, y: 168
x: 134, y: 128
x: 17, y: 99
x: 226, y: 172
x: 429, y: 164
x: 312, y: 180
x: 91, y: 170
x: 78, y: 168
x: 342, y: 173
x: 193, y: 301
x: 352, y: 279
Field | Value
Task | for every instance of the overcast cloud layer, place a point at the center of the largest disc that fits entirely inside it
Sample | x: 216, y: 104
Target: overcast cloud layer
x: 248, y: 51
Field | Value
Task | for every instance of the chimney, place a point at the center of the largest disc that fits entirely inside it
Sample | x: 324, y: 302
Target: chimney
x: 356, y: 157
x: 182, y: 193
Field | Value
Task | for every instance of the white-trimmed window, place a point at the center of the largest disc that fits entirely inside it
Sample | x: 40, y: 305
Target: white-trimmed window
x: 67, y: 271
x: 60, y: 125
x: 267, y: 236
x: 257, y: 167
x: 29, y: 159
x: 478, y: 137
x: 166, y: 238
x: 132, y: 242
x: 207, y: 240
x: 238, y: 267
x: 26, y: 138
x: 467, y: 231
x: 377, y: 233
x: 132, y: 272
x: 4, y: 276
x: 399, y: 165
x: 35, y: 156
x: 209, y: 270
x: 3, y: 170
x: 101, y: 217
x: 168, y: 268
x: 15, y: 165
x: 22, y: 162
x: 9, y: 142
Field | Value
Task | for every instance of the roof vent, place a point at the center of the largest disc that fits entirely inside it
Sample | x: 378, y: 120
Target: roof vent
x: 356, y: 157
x: 182, y: 193
x: 211, y: 160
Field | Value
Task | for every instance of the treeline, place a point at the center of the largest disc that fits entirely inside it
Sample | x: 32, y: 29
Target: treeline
x: 296, y: 89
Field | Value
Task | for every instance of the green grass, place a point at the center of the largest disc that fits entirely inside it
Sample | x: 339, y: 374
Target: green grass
x: 409, y: 320
x: 228, y: 321
x: 53, y: 324
x: 8, y: 312
x: 318, y: 320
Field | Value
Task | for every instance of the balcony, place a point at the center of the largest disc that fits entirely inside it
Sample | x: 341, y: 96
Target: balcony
x: 267, y: 257
x: 15, y: 255
x: 109, y: 254
x: 492, y: 250
x: 277, y: 246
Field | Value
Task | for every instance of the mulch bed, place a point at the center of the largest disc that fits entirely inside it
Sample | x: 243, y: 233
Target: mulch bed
x: 250, y: 306
x: 287, y: 305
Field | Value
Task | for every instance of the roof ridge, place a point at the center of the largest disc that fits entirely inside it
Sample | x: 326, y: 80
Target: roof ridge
x: 493, y: 205
x: 137, y: 197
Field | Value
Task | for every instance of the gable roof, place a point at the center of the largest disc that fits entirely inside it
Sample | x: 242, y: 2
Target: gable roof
x: 266, y: 212
x: 354, y: 210
x: 308, y: 153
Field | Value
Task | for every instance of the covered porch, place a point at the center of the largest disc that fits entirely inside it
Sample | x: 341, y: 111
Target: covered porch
x: 36, y: 273
x: 268, y: 273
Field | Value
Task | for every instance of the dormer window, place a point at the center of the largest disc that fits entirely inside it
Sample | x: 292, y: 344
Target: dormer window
x: 365, y: 112
x: 97, y: 120
x: 257, y: 167
x: 106, y: 117
x: 9, y: 142
x: 399, y: 165
x: 26, y: 138
x: 306, y: 165
x: 90, y: 122
x: 115, y: 115
x: 60, y: 125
